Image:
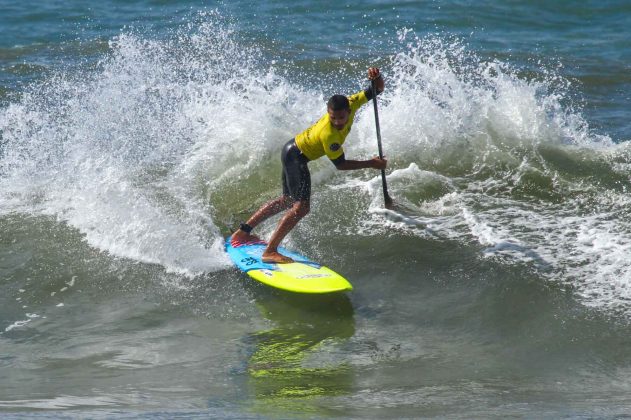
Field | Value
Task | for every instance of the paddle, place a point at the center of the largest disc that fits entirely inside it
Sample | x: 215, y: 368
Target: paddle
x: 386, y: 197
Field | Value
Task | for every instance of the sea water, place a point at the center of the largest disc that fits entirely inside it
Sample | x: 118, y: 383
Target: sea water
x: 135, y: 136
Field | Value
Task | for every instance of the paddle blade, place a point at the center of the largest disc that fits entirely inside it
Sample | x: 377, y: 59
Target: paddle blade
x: 388, y: 202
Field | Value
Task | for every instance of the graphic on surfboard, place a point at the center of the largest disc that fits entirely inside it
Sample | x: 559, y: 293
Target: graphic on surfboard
x: 301, y: 276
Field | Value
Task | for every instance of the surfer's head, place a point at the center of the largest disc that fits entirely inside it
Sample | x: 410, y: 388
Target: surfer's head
x: 339, y: 110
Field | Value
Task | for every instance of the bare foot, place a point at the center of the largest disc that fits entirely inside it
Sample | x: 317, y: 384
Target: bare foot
x: 240, y: 237
x: 275, y: 257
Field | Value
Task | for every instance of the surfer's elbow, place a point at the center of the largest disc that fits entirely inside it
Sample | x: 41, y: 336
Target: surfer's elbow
x: 340, y: 163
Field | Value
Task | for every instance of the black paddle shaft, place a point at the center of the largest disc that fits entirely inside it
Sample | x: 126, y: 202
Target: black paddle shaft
x: 386, y: 197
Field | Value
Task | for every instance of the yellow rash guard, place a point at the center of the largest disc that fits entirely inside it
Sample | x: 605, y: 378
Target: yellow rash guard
x: 323, y: 139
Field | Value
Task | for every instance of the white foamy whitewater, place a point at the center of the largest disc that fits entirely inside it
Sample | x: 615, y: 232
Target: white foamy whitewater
x: 150, y: 150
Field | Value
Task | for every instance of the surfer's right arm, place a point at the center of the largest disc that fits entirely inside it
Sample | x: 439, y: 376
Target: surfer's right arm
x: 375, y: 74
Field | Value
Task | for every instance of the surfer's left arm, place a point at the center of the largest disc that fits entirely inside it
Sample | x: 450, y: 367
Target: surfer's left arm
x: 348, y: 165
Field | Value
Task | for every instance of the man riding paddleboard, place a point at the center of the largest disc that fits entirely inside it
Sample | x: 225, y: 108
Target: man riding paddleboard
x: 325, y: 137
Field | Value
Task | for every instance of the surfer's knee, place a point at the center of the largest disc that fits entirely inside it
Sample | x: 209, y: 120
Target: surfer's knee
x: 302, y: 208
x: 286, y: 201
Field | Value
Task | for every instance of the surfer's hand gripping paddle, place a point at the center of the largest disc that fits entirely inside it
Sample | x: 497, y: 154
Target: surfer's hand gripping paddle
x: 386, y: 197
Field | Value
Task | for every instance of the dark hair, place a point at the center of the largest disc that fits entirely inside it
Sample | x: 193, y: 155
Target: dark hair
x: 338, y: 103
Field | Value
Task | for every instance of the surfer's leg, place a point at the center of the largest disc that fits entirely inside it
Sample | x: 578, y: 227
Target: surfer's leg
x: 299, y: 210
x: 297, y: 185
x: 290, y: 175
x: 266, y: 211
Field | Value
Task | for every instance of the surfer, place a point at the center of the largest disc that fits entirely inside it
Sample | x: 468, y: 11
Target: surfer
x: 325, y: 137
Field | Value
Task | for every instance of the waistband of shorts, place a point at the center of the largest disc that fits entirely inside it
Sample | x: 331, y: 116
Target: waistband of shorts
x: 291, y: 144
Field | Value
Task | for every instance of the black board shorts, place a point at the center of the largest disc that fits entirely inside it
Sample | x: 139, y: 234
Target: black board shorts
x: 296, y: 176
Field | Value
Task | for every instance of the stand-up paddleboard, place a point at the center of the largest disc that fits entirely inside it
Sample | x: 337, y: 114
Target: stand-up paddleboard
x: 301, y: 276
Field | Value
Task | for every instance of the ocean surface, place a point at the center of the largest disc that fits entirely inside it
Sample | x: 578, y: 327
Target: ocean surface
x: 134, y: 136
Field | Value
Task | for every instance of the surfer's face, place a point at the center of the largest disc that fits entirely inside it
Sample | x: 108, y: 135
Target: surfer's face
x: 339, y: 118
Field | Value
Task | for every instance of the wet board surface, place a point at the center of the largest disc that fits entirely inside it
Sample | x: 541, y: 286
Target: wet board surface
x: 301, y: 276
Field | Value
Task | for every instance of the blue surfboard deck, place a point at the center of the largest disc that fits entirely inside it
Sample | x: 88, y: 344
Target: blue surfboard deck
x: 301, y: 276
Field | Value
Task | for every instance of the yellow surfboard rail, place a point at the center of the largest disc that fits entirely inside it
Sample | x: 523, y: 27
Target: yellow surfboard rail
x: 301, y: 276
